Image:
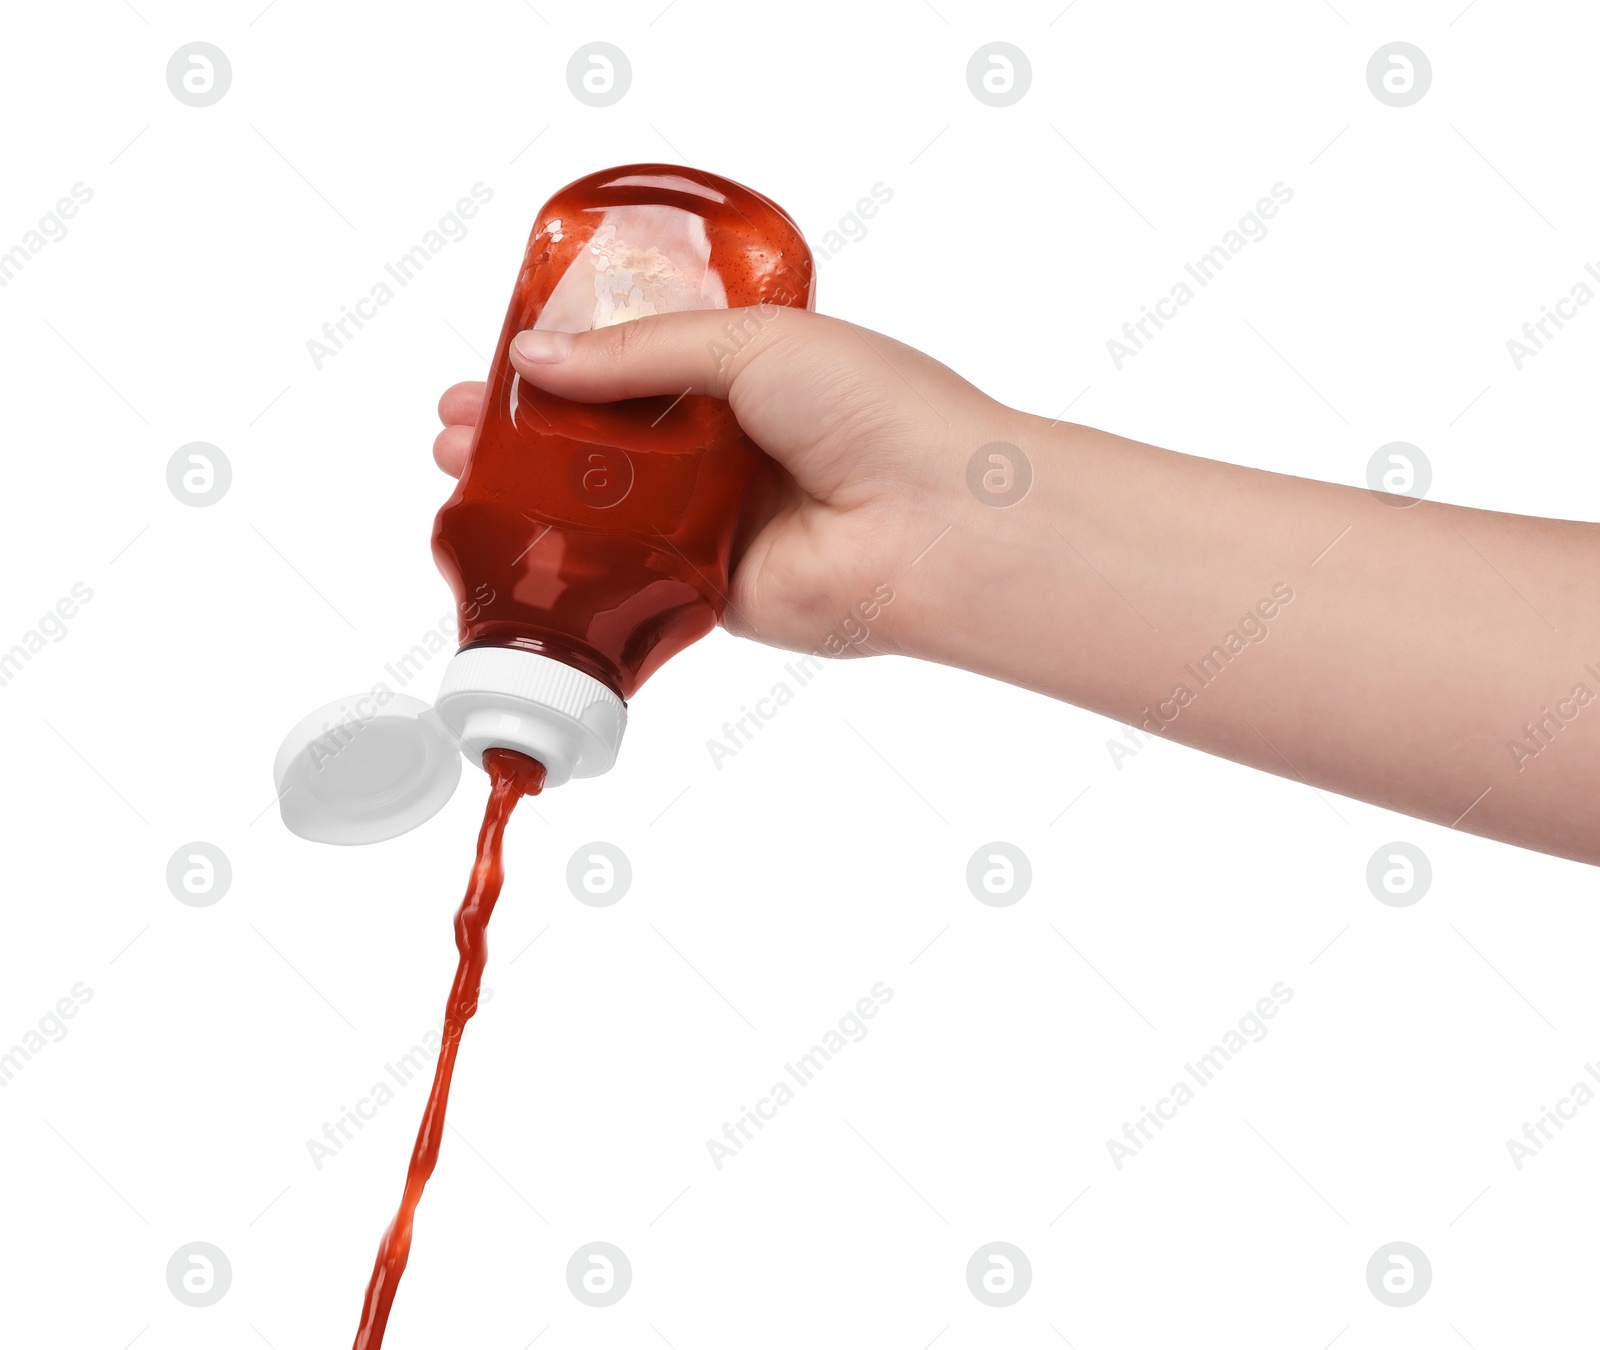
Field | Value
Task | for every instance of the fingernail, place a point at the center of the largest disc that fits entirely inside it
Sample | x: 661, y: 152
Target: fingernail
x: 542, y: 347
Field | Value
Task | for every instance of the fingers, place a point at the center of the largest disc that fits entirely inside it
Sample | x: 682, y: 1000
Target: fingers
x: 459, y: 404
x: 450, y: 449
x: 458, y: 410
x: 695, y: 352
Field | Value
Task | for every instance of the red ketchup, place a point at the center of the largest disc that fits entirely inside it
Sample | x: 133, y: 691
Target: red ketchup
x: 598, y: 535
x: 586, y: 544
x: 511, y: 776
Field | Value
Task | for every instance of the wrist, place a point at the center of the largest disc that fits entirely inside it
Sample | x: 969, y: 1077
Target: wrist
x: 983, y: 541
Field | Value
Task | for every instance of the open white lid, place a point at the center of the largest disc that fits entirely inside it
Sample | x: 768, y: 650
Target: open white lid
x: 355, y: 772
x: 358, y: 770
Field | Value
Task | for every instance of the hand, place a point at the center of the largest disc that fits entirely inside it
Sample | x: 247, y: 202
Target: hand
x: 871, y: 438
x: 1249, y: 614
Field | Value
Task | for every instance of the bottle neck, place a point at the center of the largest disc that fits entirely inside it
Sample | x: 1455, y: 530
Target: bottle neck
x: 509, y: 698
x: 574, y: 654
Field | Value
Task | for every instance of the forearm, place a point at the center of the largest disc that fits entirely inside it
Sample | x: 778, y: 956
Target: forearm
x: 1398, y: 655
x: 1435, y: 660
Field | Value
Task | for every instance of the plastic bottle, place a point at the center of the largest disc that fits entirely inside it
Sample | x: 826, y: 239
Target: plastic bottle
x: 586, y: 543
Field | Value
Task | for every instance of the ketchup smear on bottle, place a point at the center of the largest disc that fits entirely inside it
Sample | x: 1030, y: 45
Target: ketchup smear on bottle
x: 510, y: 776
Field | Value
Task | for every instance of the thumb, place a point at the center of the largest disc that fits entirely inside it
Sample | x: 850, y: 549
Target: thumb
x: 706, y: 351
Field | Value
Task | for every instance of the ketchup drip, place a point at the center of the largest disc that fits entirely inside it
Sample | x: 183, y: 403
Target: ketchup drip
x: 510, y: 776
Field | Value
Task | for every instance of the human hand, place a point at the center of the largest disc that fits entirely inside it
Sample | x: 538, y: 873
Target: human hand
x: 871, y: 438
x: 1117, y: 580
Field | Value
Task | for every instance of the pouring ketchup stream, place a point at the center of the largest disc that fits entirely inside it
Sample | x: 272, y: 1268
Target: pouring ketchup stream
x: 511, y: 776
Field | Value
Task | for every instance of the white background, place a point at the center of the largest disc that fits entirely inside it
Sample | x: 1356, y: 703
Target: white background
x: 771, y: 893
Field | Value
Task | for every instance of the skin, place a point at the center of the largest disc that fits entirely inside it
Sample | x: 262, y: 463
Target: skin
x: 1421, y: 644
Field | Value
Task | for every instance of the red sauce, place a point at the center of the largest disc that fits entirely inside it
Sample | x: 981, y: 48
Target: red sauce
x: 601, y: 534
x: 597, y: 534
x: 510, y: 776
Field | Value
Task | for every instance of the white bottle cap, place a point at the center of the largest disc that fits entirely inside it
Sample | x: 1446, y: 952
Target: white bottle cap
x: 357, y: 771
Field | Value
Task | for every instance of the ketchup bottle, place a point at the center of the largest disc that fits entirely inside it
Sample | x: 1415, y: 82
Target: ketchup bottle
x: 585, y: 543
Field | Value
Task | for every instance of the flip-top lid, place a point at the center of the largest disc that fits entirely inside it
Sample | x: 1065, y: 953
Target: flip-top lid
x: 356, y: 773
